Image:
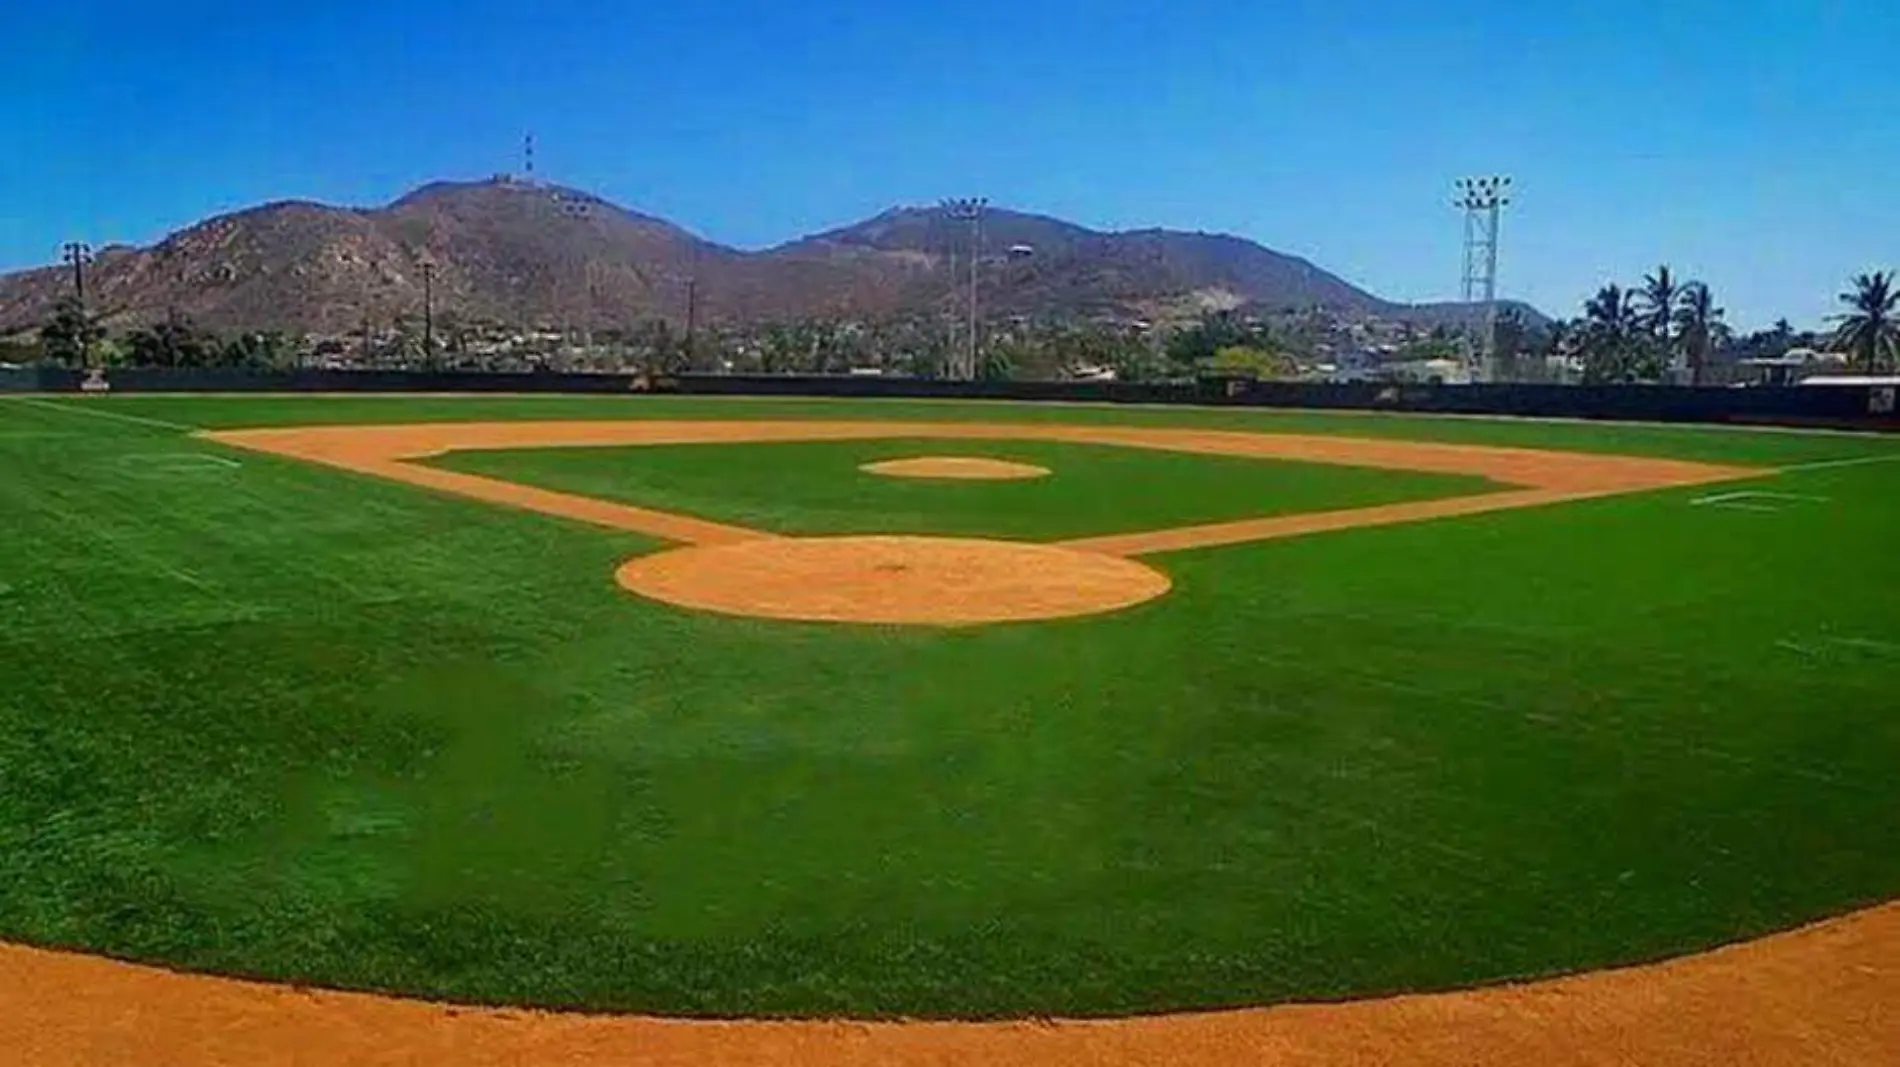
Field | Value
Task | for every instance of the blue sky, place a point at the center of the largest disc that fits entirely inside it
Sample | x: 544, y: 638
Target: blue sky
x: 1752, y: 143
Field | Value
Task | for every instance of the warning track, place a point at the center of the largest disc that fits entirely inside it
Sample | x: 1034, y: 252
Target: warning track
x: 1826, y: 994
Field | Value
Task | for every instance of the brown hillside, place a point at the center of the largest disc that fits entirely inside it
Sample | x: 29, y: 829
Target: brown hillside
x: 530, y: 254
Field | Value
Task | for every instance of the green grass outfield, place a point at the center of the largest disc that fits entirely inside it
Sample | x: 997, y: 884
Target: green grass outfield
x: 265, y: 718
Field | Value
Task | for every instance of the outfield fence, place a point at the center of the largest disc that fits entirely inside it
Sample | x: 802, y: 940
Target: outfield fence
x: 1862, y: 407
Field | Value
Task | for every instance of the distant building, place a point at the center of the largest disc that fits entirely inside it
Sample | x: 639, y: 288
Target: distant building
x: 1797, y: 365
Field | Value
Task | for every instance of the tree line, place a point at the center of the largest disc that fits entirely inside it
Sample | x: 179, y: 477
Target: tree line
x: 73, y: 337
x: 1669, y: 328
x: 1665, y: 328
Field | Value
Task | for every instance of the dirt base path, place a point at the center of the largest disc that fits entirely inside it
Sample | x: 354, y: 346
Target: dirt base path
x: 1539, y: 476
x: 1824, y: 995
x: 946, y: 581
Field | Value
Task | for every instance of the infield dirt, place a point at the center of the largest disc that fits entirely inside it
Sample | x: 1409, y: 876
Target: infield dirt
x: 933, y: 581
x: 943, y: 581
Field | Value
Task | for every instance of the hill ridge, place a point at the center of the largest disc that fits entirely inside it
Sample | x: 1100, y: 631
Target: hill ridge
x: 507, y: 250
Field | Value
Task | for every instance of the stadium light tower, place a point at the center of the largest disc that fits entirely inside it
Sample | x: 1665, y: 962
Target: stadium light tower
x: 1483, y: 201
x: 78, y: 253
x: 428, y: 309
x: 970, y: 210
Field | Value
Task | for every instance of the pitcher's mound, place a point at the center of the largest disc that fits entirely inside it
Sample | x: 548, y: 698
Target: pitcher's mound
x: 961, y: 468
x: 923, y: 581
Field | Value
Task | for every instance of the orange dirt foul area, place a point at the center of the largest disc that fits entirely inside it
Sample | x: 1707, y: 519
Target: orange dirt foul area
x: 946, y: 581
x: 1823, y: 995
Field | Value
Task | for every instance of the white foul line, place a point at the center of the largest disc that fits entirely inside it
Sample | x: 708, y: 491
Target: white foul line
x: 1858, y: 461
x: 174, y: 461
x: 79, y: 409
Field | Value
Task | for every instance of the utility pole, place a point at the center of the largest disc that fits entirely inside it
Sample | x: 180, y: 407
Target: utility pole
x: 592, y: 309
x: 577, y: 210
x: 1483, y: 201
x: 78, y: 253
x: 970, y: 210
x: 692, y: 309
x: 692, y: 314
x: 428, y: 310
x: 950, y: 358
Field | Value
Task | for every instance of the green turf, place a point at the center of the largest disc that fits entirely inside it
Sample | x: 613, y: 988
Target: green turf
x: 278, y: 720
x: 1708, y: 443
x: 816, y: 487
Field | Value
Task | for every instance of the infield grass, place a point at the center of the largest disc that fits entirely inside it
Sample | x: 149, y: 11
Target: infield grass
x: 816, y: 487
x: 271, y: 719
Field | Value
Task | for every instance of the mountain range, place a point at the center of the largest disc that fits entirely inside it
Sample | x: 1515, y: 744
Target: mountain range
x: 517, y: 252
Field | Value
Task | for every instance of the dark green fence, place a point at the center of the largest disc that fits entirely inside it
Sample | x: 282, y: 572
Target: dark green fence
x: 1846, y: 407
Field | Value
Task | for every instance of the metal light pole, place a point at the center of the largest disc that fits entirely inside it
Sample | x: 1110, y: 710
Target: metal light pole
x: 692, y: 312
x: 970, y: 210
x: 78, y: 253
x: 1483, y: 201
x: 580, y: 211
x: 692, y: 309
x: 428, y: 310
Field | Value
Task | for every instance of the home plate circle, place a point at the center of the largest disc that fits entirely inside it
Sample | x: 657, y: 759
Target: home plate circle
x: 915, y: 581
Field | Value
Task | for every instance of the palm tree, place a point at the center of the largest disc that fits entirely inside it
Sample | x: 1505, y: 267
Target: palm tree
x: 1659, y: 294
x: 1611, y: 326
x: 1612, y: 312
x: 1871, y: 331
x: 1699, y: 327
x: 1658, y: 298
x: 1555, y: 343
x: 1617, y: 345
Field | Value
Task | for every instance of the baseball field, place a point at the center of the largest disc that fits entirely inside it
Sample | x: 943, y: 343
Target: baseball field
x: 770, y: 709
